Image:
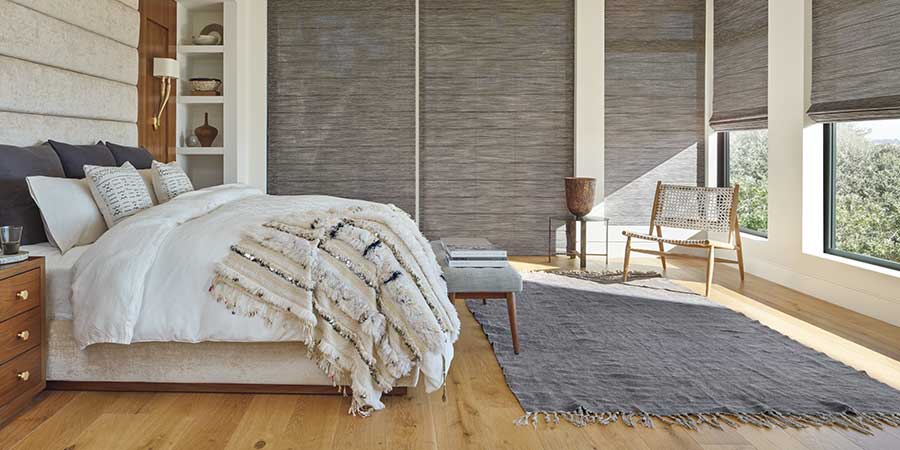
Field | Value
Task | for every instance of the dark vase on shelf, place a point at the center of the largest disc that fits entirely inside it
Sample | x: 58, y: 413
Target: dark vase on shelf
x: 580, y: 195
x: 206, y: 133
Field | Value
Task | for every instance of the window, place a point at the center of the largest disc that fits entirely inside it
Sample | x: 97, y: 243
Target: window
x: 743, y: 160
x: 862, y: 191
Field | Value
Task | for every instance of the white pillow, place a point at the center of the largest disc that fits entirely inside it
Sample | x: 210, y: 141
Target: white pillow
x: 71, y: 217
x: 147, y: 175
x: 119, y: 192
x: 170, y: 181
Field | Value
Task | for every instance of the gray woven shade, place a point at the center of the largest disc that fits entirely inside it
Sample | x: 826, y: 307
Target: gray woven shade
x: 740, y: 65
x: 342, y: 99
x: 655, y: 95
x: 497, y: 111
x: 856, y: 60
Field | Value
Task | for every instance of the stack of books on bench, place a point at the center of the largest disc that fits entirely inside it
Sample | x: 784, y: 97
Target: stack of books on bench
x: 473, y: 253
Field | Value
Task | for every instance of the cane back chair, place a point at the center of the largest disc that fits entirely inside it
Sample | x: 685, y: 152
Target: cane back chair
x: 709, y: 209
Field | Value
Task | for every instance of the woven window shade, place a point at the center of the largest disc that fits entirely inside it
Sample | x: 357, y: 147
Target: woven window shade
x: 856, y: 60
x: 342, y: 96
x: 740, y: 65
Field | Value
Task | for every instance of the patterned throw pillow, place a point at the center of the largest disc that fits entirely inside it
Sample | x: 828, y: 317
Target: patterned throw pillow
x: 119, y: 192
x: 170, y: 181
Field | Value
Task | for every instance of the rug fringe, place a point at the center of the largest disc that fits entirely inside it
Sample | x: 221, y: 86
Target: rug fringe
x: 863, y: 423
x: 609, y: 276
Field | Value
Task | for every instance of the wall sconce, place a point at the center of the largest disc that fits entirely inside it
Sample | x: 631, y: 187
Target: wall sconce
x: 166, y: 69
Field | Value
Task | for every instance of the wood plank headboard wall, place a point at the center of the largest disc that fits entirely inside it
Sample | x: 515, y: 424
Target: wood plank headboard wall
x: 158, y: 35
x: 68, y: 71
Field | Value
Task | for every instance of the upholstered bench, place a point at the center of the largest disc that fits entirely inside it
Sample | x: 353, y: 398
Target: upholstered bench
x: 483, y: 283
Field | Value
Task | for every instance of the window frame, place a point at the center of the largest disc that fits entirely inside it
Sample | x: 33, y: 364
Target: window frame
x: 830, y: 218
x: 723, y: 174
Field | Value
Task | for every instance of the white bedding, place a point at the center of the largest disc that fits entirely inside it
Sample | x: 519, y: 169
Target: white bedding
x: 147, y: 278
x: 59, y: 269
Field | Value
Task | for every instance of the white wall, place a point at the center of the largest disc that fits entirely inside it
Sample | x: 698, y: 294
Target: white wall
x: 252, y: 92
x: 590, y: 104
x: 792, y: 255
x: 589, y: 92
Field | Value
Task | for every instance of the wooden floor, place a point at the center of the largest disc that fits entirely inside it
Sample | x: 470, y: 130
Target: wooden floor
x: 480, y: 408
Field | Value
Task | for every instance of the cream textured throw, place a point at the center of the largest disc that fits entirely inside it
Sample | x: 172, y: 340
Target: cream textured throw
x: 362, y: 284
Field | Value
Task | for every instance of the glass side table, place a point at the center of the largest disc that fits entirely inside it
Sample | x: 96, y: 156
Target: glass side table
x: 570, y: 237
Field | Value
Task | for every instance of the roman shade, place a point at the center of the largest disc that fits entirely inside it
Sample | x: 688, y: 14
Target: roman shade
x: 740, y: 65
x: 497, y: 110
x: 855, y: 60
x: 655, y: 95
x: 342, y: 99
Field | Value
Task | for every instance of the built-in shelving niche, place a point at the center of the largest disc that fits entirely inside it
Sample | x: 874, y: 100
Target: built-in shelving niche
x: 206, y: 166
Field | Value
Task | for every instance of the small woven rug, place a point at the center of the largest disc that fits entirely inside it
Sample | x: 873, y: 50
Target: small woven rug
x: 649, y: 351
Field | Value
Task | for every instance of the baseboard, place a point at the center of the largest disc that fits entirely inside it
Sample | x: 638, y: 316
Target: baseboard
x: 220, y: 388
x: 861, y: 302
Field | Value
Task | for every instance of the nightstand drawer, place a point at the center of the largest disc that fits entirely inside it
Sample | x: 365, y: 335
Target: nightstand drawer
x: 20, y: 334
x: 20, y: 374
x: 20, y: 293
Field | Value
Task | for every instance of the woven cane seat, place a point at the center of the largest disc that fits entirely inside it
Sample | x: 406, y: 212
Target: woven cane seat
x: 682, y: 242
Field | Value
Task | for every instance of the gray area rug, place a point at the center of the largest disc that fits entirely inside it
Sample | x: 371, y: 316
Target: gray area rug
x: 650, y: 350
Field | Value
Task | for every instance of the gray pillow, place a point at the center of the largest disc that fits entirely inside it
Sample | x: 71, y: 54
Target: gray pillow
x: 139, y: 157
x: 75, y: 157
x: 16, y: 205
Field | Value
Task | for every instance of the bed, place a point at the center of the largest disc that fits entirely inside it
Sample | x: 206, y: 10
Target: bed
x: 162, y: 366
x: 153, y: 303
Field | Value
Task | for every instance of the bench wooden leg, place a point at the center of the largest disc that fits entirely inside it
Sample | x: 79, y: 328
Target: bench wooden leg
x: 513, y: 325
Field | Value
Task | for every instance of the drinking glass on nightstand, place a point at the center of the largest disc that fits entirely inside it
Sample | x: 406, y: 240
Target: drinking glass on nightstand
x: 10, y: 238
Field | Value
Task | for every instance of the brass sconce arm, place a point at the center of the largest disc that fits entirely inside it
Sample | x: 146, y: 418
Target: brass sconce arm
x: 166, y: 91
x: 166, y: 69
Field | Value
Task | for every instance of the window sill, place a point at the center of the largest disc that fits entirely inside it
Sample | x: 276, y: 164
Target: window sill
x: 754, y: 237
x: 857, y: 264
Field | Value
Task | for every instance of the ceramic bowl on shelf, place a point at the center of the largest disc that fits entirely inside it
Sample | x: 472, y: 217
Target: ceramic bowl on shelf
x: 214, y: 29
x: 206, y: 39
x: 205, y: 84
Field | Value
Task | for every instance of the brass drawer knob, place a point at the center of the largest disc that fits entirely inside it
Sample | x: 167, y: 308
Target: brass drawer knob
x: 23, y: 375
x: 23, y: 335
x: 22, y: 295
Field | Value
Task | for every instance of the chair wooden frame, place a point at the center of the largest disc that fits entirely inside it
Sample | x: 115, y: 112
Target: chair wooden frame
x: 734, y: 241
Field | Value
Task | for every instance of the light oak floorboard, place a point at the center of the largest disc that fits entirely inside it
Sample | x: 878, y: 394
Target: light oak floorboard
x: 313, y: 422
x: 44, y: 406
x: 479, y: 409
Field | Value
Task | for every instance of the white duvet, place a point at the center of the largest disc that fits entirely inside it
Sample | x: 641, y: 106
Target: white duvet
x: 147, y: 278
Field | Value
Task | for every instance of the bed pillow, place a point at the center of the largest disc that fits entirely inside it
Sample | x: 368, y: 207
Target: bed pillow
x: 75, y: 157
x: 139, y: 157
x: 71, y: 217
x: 170, y: 181
x: 16, y: 205
x: 119, y: 192
x: 147, y: 175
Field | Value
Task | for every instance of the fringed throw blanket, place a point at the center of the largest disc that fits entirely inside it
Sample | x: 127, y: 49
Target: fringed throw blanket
x: 362, y: 285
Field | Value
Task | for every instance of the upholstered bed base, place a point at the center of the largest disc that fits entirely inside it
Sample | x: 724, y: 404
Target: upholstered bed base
x: 219, y: 366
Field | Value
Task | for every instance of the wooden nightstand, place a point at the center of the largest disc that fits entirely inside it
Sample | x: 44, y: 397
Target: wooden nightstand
x: 22, y: 347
